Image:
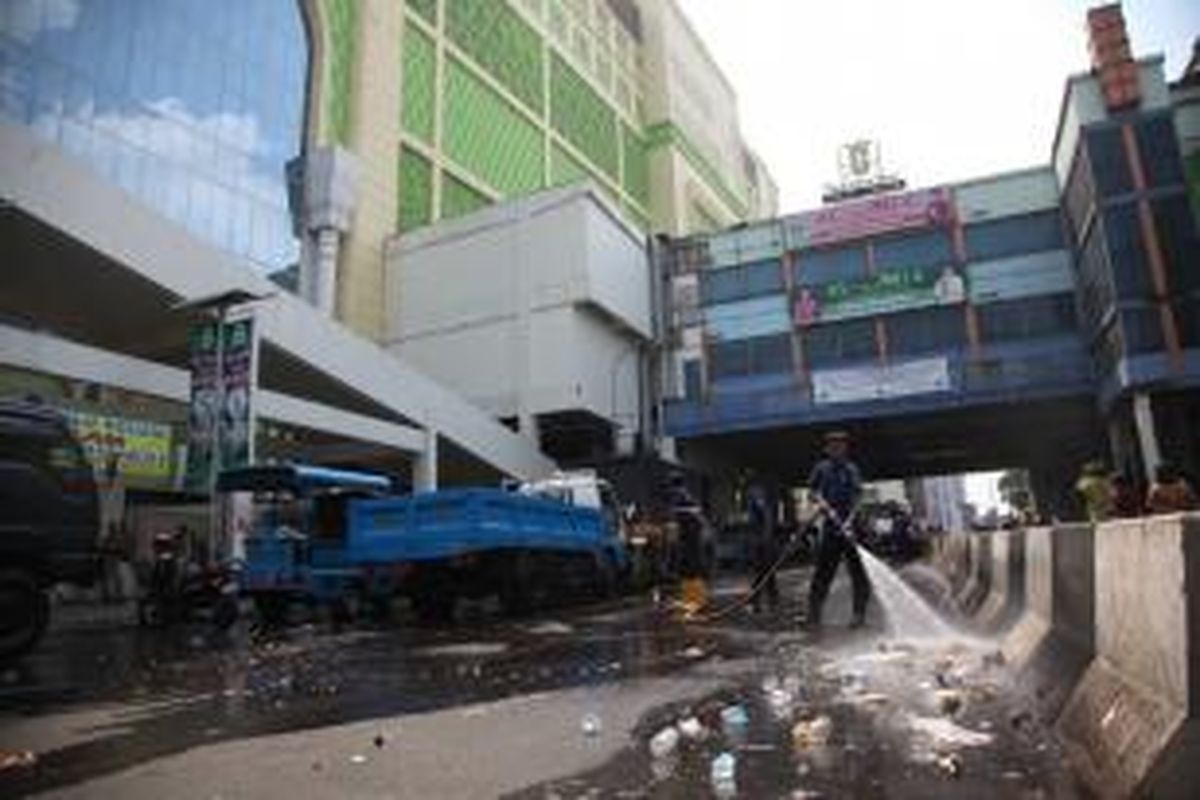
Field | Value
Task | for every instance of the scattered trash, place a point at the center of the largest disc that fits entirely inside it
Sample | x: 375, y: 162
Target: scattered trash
x: 591, y: 725
x: 950, y: 764
x: 803, y: 769
x: 949, y: 701
x: 757, y: 747
x: 663, y: 743
x: 734, y: 719
x: 993, y: 659
x: 872, y: 699
x: 811, y: 733
x: 805, y: 794
x: 943, y: 733
x: 379, y: 741
x: 692, y: 728
x: 17, y: 760
x: 723, y: 775
x: 358, y: 758
x: 1013, y: 775
x: 693, y: 652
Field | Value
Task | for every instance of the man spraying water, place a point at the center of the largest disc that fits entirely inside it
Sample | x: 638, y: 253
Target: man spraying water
x: 836, y: 485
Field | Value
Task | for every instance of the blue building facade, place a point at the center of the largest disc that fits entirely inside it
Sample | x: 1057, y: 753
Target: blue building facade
x: 1074, y: 285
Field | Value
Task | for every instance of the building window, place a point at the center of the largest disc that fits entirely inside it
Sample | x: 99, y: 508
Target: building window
x: 1141, y: 329
x: 925, y: 330
x: 1097, y: 294
x: 737, y: 283
x: 1158, y: 147
x: 1187, y: 317
x: 1126, y: 252
x: 1180, y: 245
x: 1080, y: 195
x: 840, y: 343
x: 764, y: 355
x: 1109, y: 164
x: 1028, y: 318
x: 817, y: 267
x: 692, y: 383
x: 192, y: 114
x: 1029, y: 233
x: 930, y: 249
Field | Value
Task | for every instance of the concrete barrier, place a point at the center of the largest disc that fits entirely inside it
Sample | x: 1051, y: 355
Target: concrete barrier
x: 979, y: 574
x: 953, y: 559
x: 1006, y: 590
x: 1132, y: 725
x: 1053, y: 639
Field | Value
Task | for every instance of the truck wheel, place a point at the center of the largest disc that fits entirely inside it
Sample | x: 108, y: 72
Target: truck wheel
x: 24, y: 612
x: 604, y: 577
x: 516, y: 589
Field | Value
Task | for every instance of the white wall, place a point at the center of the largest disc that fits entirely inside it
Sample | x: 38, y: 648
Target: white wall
x: 526, y: 307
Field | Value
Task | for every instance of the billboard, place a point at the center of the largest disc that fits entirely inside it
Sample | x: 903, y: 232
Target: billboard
x: 142, y: 447
x: 869, y: 217
x: 882, y: 293
x: 881, y: 382
x: 221, y: 414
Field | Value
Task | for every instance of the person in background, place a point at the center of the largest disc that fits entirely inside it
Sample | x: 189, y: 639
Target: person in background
x: 837, y: 486
x: 1095, y: 489
x: 689, y: 521
x: 1170, y: 493
x: 1125, y: 502
x: 760, y: 514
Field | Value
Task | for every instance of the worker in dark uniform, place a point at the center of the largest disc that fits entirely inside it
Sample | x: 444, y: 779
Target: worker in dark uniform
x: 760, y: 515
x: 689, y: 521
x: 836, y: 486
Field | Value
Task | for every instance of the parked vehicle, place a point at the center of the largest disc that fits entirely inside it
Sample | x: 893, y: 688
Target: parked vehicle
x: 49, y: 519
x: 181, y: 591
x: 338, y: 538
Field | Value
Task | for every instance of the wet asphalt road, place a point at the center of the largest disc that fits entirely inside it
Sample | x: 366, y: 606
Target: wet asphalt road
x: 497, y: 707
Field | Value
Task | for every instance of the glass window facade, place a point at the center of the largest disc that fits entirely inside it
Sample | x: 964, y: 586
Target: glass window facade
x: 931, y: 249
x: 184, y: 104
x: 1106, y: 152
x: 764, y: 355
x: 817, y: 267
x: 1028, y: 318
x: 736, y: 283
x: 1127, y: 252
x: 1141, y: 329
x: 840, y: 343
x: 1180, y: 244
x: 1158, y: 148
x: 926, y: 331
x: 1011, y: 236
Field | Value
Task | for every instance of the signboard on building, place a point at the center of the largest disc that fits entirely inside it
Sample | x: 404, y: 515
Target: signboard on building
x: 883, y: 293
x: 221, y: 415
x: 857, y: 384
x: 142, y: 448
x: 869, y: 217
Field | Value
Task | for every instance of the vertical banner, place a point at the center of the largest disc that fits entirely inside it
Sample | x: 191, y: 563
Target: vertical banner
x: 221, y: 416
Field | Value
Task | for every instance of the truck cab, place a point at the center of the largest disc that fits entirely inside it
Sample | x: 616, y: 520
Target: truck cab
x: 49, y: 519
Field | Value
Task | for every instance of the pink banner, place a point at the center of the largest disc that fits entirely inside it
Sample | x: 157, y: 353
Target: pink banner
x: 875, y: 215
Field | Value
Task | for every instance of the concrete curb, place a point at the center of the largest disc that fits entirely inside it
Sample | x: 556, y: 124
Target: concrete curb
x: 1132, y: 725
x: 1006, y: 591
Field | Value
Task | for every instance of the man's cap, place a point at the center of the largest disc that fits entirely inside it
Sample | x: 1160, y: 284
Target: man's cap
x: 837, y: 436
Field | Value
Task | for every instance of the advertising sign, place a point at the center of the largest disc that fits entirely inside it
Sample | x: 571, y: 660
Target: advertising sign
x: 870, y: 217
x: 855, y: 384
x: 883, y: 293
x: 142, y: 448
x: 221, y: 415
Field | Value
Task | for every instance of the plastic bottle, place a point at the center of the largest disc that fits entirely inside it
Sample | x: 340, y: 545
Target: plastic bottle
x: 724, y: 774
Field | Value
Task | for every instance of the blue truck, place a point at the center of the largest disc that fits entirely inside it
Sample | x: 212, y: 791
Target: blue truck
x: 344, y: 540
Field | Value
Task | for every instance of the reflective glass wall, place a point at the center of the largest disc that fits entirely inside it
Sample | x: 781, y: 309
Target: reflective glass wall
x: 192, y: 106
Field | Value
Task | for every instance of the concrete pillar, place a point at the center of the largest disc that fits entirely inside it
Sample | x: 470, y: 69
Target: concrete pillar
x: 1006, y: 592
x: 425, y: 465
x: 1132, y: 725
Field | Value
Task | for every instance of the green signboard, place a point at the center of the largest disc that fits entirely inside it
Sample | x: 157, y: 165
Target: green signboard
x: 883, y: 293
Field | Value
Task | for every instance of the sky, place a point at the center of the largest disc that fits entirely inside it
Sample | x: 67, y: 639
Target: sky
x: 952, y: 89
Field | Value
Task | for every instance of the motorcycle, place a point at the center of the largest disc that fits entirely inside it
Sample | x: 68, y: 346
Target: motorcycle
x: 187, y: 592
